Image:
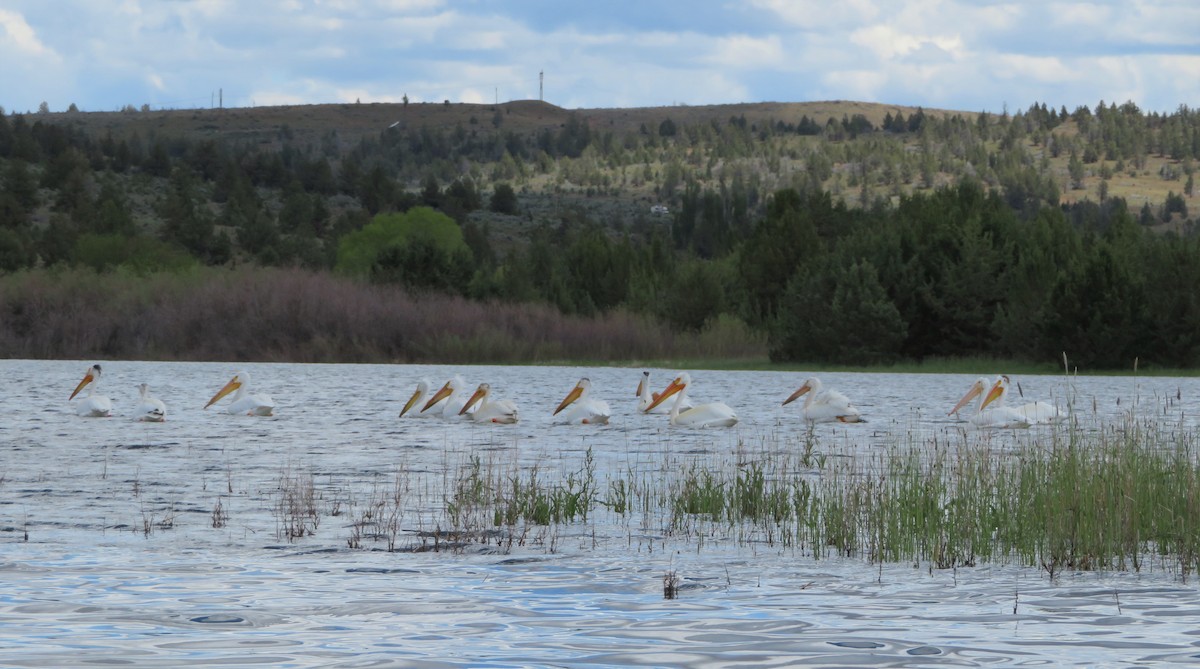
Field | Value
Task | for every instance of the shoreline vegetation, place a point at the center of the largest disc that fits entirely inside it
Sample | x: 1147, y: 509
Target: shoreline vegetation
x: 296, y: 315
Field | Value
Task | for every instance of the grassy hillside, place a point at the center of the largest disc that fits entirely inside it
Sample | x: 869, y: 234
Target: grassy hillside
x: 639, y: 169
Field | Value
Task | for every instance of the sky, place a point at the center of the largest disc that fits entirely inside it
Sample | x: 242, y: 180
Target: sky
x: 964, y: 55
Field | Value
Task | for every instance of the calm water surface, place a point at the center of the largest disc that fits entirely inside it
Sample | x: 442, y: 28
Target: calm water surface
x: 109, y: 553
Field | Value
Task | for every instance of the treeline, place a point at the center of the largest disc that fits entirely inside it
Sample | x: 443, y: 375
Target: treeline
x: 958, y: 273
x: 952, y: 273
x: 839, y: 242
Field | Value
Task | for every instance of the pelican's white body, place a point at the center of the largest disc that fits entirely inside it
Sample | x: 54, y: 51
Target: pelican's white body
x: 489, y: 410
x: 244, y: 401
x: 824, y: 405
x: 92, y: 405
x: 1033, y: 413
x: 996, y: 417
x: 580, y: 408
x: 645, y: 398
x: 419, y: 398
x: 712, y: 414
x: 150, y: 409
x: 451, y: 397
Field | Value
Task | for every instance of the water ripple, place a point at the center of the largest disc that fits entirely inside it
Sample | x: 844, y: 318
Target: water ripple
x: 161, y: 545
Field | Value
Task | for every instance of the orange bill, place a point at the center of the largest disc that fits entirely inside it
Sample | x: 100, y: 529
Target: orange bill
x: 233, y: 385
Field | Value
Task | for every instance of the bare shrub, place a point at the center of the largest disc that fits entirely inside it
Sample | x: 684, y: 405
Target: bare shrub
x: 303, y: 316
x: 220, y: 517
x: 670, y: 585
x: 295, y: 510
x: 380, y: 518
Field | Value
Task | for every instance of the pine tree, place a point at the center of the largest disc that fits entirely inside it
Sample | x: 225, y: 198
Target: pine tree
x: 184, y: 221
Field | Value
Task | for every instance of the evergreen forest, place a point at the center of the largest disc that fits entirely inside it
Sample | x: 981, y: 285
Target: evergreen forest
x: 852, y: 235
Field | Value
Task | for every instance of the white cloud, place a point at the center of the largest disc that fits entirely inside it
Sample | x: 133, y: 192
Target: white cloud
x: 481, y: 40
x: 1042, y: 69
x: 19, y: 34
x: 364, y: 95
x: 1079, y: 15
x: 472, y: 96
x: 995, y: 17
x: 855, y: 84
x: 818, y: 14
x: 411, y: 5
x: 275, y: 98
x: 747, y: 52
x: 887, y: 42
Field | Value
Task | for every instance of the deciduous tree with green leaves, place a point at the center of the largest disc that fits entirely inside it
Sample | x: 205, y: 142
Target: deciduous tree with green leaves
x: 421, y: 248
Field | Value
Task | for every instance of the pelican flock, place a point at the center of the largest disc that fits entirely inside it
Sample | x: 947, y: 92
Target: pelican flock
x: 244, y: 402
x: 996, y: 417
x: 419, y: 396
x: 585, y: 409
x: 92, y: 405
x: 452, y: 397
x: 712, y: 414
x: 646, y: 398
x: 453, y: 400
x: 824, y: 406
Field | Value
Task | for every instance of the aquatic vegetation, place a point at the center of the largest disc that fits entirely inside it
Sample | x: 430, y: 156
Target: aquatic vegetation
x: 380, y: 518
x: 670, y: 585
x: 220, y: 515
x: 1125, y: 497
x: 296, y: 513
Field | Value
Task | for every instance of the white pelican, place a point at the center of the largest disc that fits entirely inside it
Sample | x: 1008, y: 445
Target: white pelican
x: 587, y: 409
x: 420, y: 396
x: 91, y: 405
x: 712, y: 414
x: 490, y: 411
x: 452, y: 396
x: 1034, y: 413
x: 258, y: 404
x: 824, y: 406
x: 989, y: 417
x: 646, y: 398
x: 150, y: 409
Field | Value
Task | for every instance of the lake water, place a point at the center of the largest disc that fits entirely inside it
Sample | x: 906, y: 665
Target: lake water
x: 165, y: 545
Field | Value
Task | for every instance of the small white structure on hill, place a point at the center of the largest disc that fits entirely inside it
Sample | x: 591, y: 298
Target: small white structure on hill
x: 659, y: 209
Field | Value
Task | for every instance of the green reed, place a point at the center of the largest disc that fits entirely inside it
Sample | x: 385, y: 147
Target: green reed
x: 1111, y: 501
x: 1120, y: 497
x: 1106, y: 500
x: 486, y: 495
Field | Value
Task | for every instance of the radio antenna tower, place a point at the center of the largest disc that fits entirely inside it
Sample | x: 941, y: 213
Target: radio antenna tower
x: 541, y: 82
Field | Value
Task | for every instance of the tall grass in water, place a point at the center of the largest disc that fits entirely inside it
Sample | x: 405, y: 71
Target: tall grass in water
x: 1124, y: 497
x: 1127, y: 497
x: 303, y: 316
x: 488, y: 501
